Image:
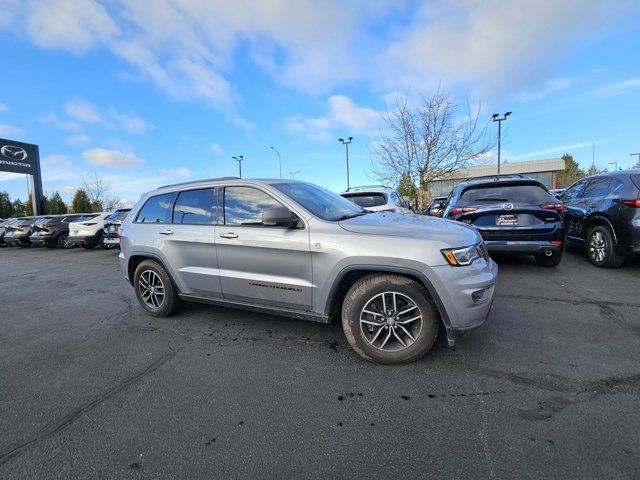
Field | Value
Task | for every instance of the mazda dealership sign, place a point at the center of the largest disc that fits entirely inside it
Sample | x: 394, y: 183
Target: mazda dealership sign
x: 18, y: 157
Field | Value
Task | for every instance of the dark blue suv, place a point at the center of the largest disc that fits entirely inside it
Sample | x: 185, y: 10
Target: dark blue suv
x: 603, y: 214
x: 513, y: 215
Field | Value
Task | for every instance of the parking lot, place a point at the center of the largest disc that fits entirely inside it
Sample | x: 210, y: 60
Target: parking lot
x: 92, y: 387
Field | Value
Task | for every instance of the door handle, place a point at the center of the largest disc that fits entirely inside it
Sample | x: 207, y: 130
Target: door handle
x: 229, y: 235
x: 166, y: 232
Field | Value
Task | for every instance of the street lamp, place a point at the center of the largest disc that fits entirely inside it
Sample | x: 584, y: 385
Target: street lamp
x: 293, y: 174
x: 499, y: 120
x: 239, y: 159
x: 279, y: 159
x: 346, y: 144
x: 616, y: 166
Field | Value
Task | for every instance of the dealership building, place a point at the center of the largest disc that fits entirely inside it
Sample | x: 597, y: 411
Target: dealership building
x: 545, y: 171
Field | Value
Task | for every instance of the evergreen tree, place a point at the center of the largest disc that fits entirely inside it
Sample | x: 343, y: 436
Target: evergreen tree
x: 18, y: 208
x: 55, y: 204
x: 6, y: 207
x: 81, y: 202
x: 571, y: 172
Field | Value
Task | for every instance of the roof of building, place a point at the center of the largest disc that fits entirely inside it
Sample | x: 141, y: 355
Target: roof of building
x: 510, y: 168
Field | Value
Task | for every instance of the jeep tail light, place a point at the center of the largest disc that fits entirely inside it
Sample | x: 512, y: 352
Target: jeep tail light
x: 632, y: 203
x: 458, y: 210
x: 88, y: 224
x: 48, y: 225
x: 558, y: 207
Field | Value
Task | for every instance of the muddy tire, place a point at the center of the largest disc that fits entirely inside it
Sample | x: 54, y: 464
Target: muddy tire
x: 389, y: 319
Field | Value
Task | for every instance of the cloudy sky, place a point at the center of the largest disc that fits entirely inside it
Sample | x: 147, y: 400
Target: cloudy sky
x: 146, y: 93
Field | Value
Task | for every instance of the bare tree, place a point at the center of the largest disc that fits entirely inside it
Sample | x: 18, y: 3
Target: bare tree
x: 429, y: 142
x: 99, y: 191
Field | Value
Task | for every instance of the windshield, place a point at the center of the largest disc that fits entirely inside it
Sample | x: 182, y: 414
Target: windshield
x: 117, y: 216
x: 322, y: 203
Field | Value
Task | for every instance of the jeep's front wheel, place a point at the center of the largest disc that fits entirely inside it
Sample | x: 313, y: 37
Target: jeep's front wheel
x: 389, y: 319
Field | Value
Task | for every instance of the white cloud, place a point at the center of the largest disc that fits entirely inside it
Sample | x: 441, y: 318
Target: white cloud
x: 83, y: 110
x: 3, y: 107
x: 618, y: 88
x: 74, y: 25
x: 10, y: 130
x: 111, y: 158
x: 560, y: 149
x: 69, y: 126
x: 131, y: 123
x: 80, y: 139
x: 499, y: 47
x: 342, y: 112
x: 178, y: 172
x: 217, y: 149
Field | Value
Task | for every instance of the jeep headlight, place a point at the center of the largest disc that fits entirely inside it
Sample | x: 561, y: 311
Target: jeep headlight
x: 459, y: 257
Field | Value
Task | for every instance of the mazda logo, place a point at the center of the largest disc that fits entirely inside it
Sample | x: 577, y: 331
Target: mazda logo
x: 508, y: 206
x: 13, y: 153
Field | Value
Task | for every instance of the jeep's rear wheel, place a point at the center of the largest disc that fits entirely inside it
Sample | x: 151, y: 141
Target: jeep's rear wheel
x: 154, y: 289
x: 389, y: 319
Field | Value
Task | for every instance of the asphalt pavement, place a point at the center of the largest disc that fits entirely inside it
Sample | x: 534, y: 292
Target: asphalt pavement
x: 93, y: 387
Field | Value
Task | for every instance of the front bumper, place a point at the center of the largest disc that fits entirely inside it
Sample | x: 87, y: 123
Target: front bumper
x: 524, y: 247
x: 465, y: 294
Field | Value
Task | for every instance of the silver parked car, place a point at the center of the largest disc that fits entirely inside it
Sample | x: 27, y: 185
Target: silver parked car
x: 292, y: 248
x: 378, y: 198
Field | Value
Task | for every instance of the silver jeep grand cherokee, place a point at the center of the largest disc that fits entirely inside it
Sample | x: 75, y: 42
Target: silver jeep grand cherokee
x: 292, y: 248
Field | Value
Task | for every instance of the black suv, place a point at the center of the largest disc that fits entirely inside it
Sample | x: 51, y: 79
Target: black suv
x: 513, y: 215
x: 111, y: 224
x: 603, y: 213
x: 52, y: 231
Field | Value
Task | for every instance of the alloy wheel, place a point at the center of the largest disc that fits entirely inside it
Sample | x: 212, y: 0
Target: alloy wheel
x: 598, y: 246
x: 391, y: 321
x: 151, y: 288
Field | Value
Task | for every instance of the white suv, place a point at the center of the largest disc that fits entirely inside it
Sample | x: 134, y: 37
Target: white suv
x: 378, y: 198
x: 87, y: 230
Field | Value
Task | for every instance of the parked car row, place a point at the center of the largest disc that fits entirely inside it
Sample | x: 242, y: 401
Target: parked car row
x: 86, y: 230
x: 519, y: 215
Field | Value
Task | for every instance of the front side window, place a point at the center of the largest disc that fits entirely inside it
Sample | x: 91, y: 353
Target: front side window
x: 195, y: 207
x: 157, y: 209
x: 244, y: 205
x: 573, y: 191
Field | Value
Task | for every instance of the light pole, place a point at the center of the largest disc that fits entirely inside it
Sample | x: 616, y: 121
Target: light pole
x: 499, y: 120
x: 279, y: 159
x: 636, y: 155
x: 293, y: 174
x: 239, y: 159
x: 346, y: 145
x: 616, y: 166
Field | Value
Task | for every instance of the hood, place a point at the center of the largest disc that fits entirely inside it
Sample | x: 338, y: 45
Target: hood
x: 423, y: 227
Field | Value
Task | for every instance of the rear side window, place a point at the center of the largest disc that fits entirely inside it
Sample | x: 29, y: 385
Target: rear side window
x: 598, y: 187
x: 195, y: 207
x: 368, y: 200
x: 157, y: 209
x: 244, y: 205
x: 528, y: 194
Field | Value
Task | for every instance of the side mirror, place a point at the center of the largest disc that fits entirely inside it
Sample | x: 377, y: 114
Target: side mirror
x: 279, y: 217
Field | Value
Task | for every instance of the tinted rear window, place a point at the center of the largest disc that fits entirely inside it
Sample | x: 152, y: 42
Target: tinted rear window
x: 43, y: 220
x: 528, y: 194
x: 367, y: 200
x: 83, y: 218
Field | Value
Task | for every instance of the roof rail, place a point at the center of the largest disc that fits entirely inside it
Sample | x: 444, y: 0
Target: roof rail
x: 363, y: 187
x: 199, y: 181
